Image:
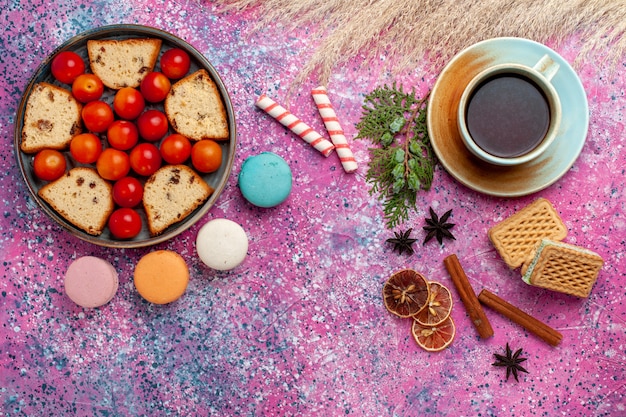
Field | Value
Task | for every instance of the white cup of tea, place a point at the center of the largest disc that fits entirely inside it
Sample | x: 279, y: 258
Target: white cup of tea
x: 509, y: 114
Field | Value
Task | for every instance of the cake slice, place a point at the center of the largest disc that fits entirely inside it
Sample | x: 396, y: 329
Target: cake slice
x: 195, y: 109
x: 123, y: 63
x: 51, y: 119
x: 82, y: 197
x: 171, y: 194
x: 562, y: 267
x: 516, y: 237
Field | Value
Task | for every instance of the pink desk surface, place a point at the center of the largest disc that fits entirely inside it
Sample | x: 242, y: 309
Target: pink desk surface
x: 300, y: 328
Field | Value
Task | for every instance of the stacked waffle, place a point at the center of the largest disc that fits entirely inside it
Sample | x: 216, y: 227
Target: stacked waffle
x: 532, y: 239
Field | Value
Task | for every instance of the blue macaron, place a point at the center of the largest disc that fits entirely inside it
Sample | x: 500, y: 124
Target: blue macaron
x: 265, y: 179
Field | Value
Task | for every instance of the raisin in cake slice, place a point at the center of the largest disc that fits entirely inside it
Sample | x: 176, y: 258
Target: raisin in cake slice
x: 123, y: 63
x: 82, y: 197
x: 195, y: 109
x: 171, y: 194
x: 51, y: 119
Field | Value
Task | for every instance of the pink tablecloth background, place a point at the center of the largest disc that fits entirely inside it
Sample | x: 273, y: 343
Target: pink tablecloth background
x: 299, y: 328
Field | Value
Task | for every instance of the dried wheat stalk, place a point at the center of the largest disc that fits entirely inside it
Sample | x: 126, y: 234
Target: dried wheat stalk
x: 411, y: 30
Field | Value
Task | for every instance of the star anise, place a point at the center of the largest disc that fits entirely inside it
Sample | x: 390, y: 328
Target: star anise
x: 438, y: 227
x: 403, y: 242
x: 511, y: 361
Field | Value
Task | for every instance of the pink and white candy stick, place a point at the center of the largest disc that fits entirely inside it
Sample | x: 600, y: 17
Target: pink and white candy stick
x: 331, y: 121
x: 296, y: 125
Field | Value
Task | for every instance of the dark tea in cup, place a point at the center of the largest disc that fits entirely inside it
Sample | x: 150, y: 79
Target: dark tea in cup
x: 508, y: 115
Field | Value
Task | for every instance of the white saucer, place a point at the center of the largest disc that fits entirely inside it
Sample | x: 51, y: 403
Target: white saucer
x: 490, y: 179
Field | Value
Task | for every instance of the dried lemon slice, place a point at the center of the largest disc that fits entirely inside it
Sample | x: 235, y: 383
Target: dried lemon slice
x: 405, y: 293
x: 434, y: 338
x: 438, y: 306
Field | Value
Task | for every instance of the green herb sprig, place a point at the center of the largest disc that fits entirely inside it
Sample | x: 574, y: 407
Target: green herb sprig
x: 403, y: 161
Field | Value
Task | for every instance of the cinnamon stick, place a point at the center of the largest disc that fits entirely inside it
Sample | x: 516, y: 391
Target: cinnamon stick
x: 468, y: 296
x: 525, y: 320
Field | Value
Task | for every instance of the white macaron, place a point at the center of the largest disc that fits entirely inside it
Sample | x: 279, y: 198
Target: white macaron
x: 222, y: 244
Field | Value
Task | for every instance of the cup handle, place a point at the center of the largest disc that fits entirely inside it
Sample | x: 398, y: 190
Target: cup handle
x: 547, y: 67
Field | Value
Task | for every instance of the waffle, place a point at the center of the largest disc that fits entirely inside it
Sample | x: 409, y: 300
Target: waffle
x: 562, y: 267
x: 516, y: 237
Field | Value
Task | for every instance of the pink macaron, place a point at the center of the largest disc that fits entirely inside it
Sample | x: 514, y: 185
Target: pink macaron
x: 91, y: 282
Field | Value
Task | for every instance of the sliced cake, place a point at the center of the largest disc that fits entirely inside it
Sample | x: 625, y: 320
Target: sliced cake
x: 52, y: 117
x: 195, y: 109
x: 123, y: 63
x: 82, y: 197
x: 171, y: 194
